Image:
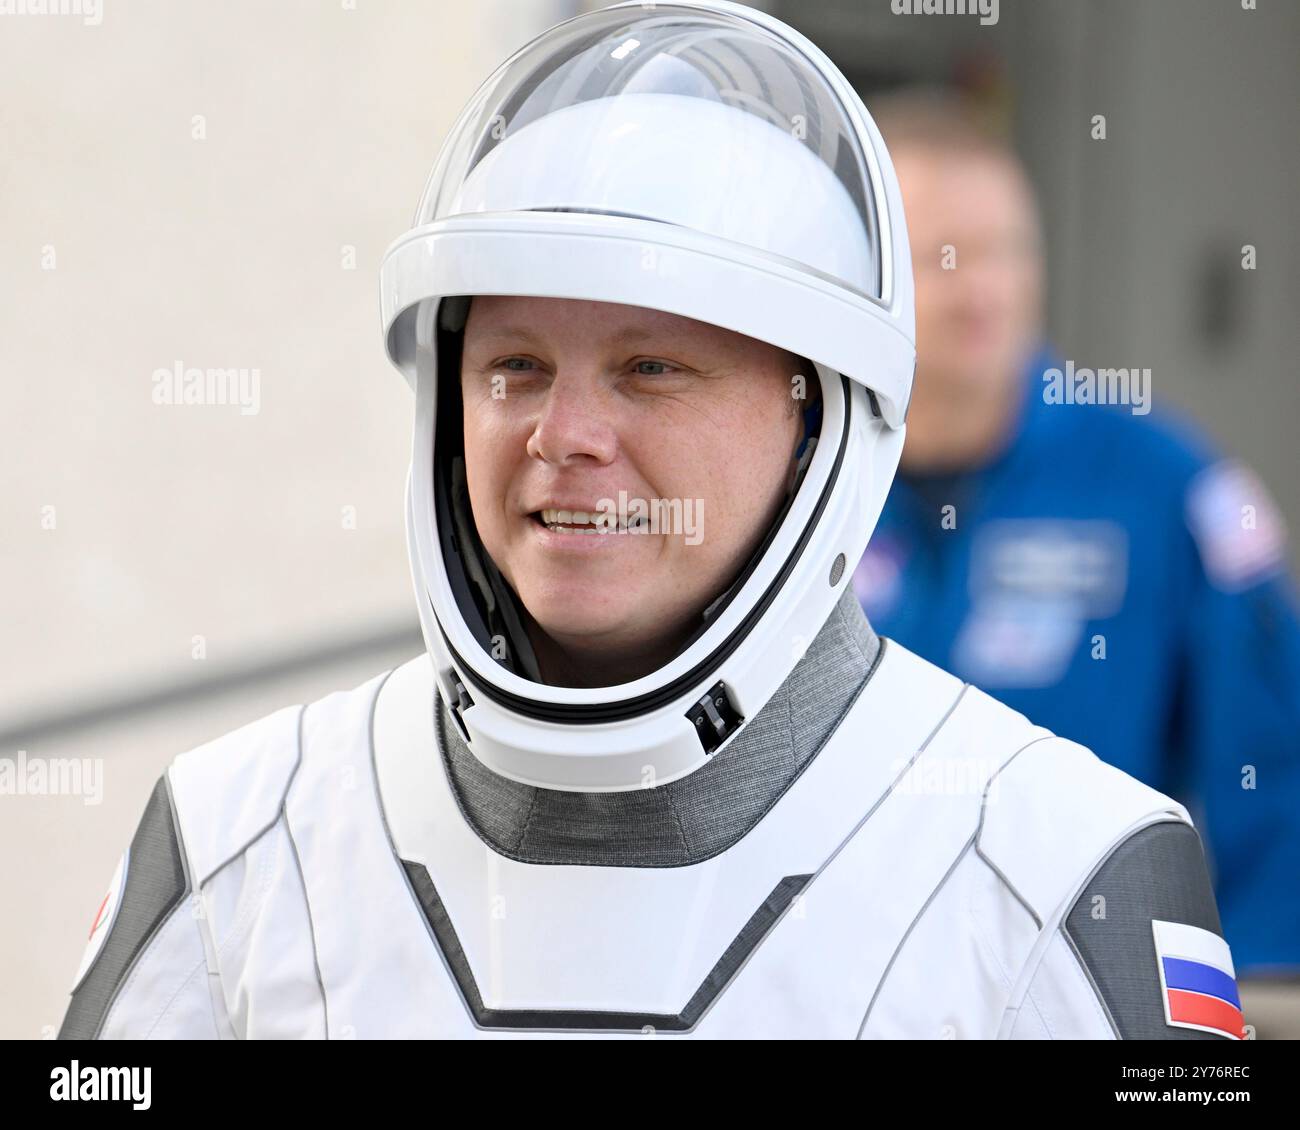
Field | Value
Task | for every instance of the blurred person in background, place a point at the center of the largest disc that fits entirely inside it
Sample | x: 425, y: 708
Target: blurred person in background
x: 1101, y: 570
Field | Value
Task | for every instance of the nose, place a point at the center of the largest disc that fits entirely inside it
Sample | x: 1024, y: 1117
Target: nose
x: 575, y: 423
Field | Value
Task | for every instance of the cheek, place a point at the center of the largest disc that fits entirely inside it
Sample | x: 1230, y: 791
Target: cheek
x: 1028, y: 293
x: 491, y: 455
x: 737, y: 461
x: 938, y: 309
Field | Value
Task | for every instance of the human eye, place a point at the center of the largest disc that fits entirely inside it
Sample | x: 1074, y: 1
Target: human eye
x: 519, y: 370
x: 656, y: 368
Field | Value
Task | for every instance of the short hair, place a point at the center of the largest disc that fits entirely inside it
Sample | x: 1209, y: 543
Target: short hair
x: 940, y: 119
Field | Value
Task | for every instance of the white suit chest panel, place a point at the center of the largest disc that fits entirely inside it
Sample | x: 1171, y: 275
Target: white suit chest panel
x: 542, y: 938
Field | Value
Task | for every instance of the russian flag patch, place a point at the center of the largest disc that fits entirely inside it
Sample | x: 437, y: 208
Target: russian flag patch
x: 104, y: 919
x: 1197, y: 980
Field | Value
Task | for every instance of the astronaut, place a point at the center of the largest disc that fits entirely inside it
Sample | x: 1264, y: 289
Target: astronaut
x: 638, y: 785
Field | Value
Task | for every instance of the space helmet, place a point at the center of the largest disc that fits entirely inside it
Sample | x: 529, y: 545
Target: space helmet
x: 704, y: 159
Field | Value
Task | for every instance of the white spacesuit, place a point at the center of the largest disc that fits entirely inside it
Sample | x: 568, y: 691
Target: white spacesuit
x: 790, y: 829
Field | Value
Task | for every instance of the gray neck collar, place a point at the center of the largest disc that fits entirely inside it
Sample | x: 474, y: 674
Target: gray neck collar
x: 690, y: 819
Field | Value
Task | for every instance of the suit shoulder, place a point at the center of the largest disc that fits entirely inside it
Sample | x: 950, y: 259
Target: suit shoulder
x: 1048, y: 808
x: 1054, y: 811
x: 1146, y: 929
x: 150, y: 882
x: 228, y: 791
x: 1115, y: 866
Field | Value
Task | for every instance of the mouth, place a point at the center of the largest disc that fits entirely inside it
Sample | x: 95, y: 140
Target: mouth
x: 586, y: 522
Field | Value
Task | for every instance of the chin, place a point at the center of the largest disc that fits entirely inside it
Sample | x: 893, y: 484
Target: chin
x: 574, y: 611
x: 591, y: 637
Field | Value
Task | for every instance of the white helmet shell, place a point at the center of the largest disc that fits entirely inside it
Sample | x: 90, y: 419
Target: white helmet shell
x: 706, y: 160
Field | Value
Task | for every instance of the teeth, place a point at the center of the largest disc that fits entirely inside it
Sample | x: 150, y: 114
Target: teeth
x: 563, y: 521
x: 569, y: 517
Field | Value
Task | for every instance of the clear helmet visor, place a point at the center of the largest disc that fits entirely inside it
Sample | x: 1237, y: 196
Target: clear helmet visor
x: 685, y: 116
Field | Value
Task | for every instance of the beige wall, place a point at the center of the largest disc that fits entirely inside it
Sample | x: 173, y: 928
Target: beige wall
x: 322, y: 121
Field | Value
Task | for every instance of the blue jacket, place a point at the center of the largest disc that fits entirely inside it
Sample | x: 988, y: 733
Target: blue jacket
x: 1111, y: 577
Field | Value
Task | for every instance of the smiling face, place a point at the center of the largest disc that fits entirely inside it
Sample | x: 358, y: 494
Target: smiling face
x: 568, y: 403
